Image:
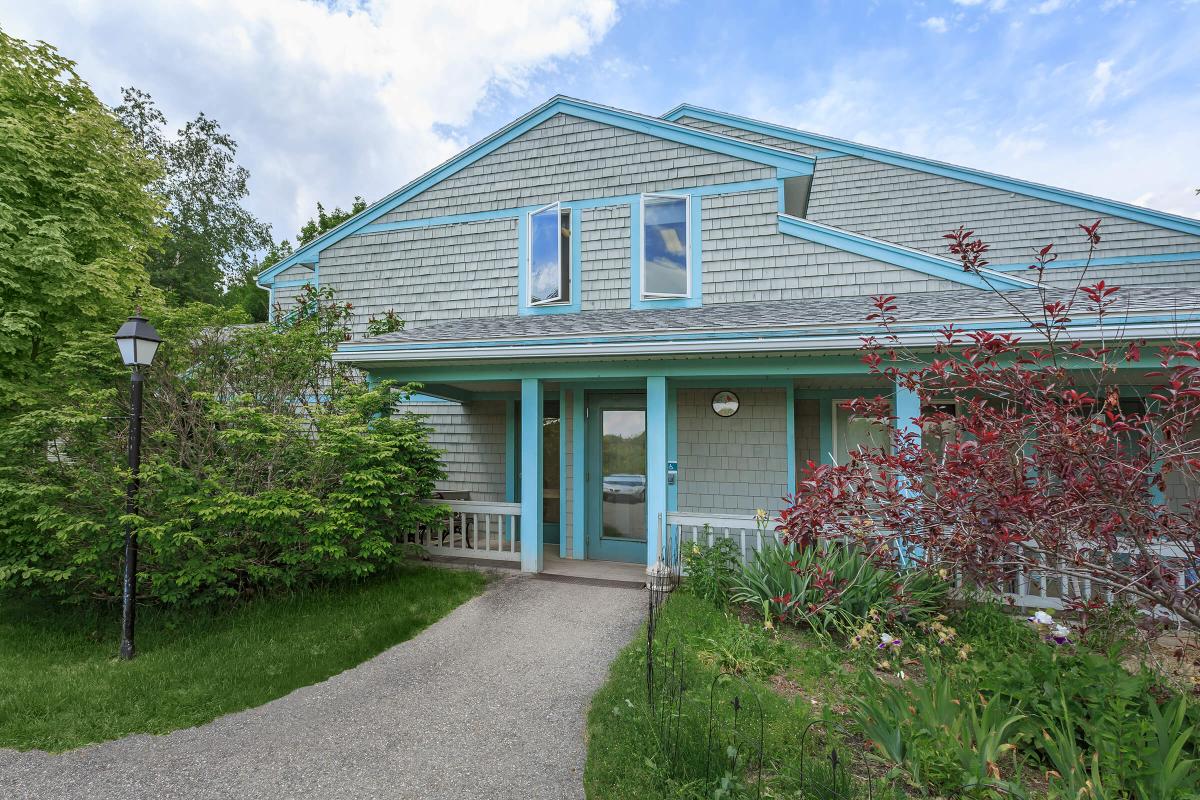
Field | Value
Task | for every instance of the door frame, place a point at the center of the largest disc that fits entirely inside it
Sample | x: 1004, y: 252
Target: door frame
x: 597, y: 545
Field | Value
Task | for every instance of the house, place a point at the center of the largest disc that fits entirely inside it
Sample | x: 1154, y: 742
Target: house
x: 630, y: 326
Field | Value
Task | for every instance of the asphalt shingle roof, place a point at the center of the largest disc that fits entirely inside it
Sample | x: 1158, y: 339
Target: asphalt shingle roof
x: 841, y: 312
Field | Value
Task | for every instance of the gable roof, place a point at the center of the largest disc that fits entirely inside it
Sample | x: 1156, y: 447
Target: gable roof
x: 1015, y: 185
x: 788, y: 163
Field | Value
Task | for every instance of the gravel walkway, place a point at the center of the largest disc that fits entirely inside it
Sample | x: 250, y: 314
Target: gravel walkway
x: 489, y: 702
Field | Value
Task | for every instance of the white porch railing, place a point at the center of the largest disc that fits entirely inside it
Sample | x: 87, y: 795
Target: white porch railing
x: 706, y: 529
x: 474, y: 529
x: 1051, y: 586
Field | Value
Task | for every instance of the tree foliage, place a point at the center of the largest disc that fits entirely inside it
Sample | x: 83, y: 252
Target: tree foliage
x: 1042, y: 469
x: 266, y: 464
x: 212, y: 237
x: 76, y: 221
x: 244, y: 293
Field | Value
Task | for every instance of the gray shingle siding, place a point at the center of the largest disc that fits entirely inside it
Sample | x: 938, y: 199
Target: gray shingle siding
x: 296, y: 272
x: 732, y: 465
x: 285, y: 297
x: 1182, y: 274
x: 745, y: 258
x: 749, y: 136
x: 916, y: 209
x: 568, y: 158
x: 471, y: 440
x: 605, y: 260
x: 427, y: 274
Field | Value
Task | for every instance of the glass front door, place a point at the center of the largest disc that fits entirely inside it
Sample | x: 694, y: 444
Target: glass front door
x: 617, y: 479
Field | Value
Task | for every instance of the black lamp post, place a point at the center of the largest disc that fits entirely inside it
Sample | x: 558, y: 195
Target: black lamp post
x: 138, y: 341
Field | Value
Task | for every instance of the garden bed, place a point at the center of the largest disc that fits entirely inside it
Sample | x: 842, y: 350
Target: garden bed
x: 64, y: 688
x: 964, y: 699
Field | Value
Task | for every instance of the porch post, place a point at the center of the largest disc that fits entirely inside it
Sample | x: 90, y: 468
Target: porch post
x: 531, y: 474
x: 656, y: 466
x: 907, y: 408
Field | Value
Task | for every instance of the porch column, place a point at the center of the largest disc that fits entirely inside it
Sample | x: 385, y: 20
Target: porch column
x: 531, y: 474
x: 908, y: 408
x: 656, y: 466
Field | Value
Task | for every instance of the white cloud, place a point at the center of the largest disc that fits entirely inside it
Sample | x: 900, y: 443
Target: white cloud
x: 993, y: 5
x: 327, y: 100
x: 1102, y: 77
x: 935, y: 24
x: 1048, y: 6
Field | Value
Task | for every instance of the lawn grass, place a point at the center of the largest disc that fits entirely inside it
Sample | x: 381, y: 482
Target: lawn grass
x: 624, y: 759
x: 63, y: 687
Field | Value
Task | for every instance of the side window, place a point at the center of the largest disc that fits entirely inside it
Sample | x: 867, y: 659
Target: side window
x: 549, y: 268
x: 666, y: 251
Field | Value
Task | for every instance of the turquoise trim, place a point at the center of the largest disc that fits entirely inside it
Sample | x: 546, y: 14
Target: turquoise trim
x: 681, y: 134
x: 889, y: 253
x: 448, y: 219
x: 600, y: 546
x: 563, y: 411
x: 425, y: 398
x: 449, y: 394
x: 790, y: 404
x: 657, y: 425
x: 531, y: 474
x: 578, y: 475
x: 693, y: 368
x: 826, y: 431
x: 907, y: 406
x: 673, y: 442
x: 1110, y: 261
x: 510, y: 451
x: 1026, y: 188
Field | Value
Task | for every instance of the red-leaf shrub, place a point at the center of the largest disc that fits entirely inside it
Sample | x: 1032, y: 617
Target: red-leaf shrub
x: 1042, y: 463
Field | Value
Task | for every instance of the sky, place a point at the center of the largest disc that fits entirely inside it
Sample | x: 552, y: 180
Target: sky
x: 329, y: 100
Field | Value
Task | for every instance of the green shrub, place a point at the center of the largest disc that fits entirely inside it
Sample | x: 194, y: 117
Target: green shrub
x: 940, y: 732
x: 1086, y: 716
x: 741, y: 649
x: 711, y: 570
x: 834, y: 588
x: 265, y: 465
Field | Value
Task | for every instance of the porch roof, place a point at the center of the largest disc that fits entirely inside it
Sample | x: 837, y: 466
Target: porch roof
x: 822, y: 323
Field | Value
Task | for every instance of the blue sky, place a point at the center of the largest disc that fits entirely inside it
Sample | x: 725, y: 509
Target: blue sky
x: 329, y: 100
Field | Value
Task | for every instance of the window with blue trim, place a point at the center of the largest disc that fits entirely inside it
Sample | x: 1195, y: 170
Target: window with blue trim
x: 549, y: 268
x: 666, y: 247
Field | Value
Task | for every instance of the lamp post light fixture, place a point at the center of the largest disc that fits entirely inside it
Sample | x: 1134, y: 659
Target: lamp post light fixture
x: 138, y: 342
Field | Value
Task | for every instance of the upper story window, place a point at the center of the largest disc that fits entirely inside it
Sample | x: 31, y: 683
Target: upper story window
x: 796, y: 192
x: 550, y: 256
x: 666, y: 247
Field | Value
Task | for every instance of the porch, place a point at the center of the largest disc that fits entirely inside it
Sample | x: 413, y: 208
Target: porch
x: 613, y: 469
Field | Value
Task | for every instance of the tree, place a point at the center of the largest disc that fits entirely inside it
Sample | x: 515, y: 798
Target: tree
x: 267, y: 465
x: 212, y: 237
x: 1043, y: 469
x: 244, y: 293
x: 76, y: 220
